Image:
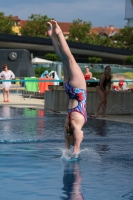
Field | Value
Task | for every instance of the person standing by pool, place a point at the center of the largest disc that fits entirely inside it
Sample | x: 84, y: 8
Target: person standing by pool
x: 87, y: 73
x: 75, y: 87
x: 6, y: 74
x: 105, y: 80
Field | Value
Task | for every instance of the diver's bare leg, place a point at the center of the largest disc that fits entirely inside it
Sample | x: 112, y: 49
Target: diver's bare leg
x: 74, y: 70
x: 56, y: 46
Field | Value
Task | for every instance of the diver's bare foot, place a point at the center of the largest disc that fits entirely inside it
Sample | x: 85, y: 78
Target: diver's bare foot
x: 56, y: 28
x: 74, y: 155
x: 49, y: 29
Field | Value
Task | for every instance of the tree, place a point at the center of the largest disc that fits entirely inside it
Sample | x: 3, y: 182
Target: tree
x: 52, y: 57
x: 36, y: 26
x: 103, y: 41
x: 124, y: 39
x: 39, y: 70
x: 94, y: 59
x: 79, y: 30
x: 129, y: 59
x: 6, y: 24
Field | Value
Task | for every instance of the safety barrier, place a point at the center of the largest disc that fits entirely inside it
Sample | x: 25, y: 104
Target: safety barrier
x: 52, y: 80
x: 118, y: 102
x: 33, y: 89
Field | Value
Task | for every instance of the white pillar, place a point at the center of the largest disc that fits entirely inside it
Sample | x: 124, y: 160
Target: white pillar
x: 58, y: 70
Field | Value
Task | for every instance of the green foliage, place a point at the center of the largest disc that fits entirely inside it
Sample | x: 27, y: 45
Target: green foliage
x: 129, y: 58
x: 97, y: 75
x: 103, y: 41
x: 79, y: 30
x: 124, y: 38
x: 52, y: 57
x: 6, y: 24
x: 94, y: 59
x: 39, y: 71
x: 129, y: 75
x: 106, y: 41
x: 36, y: 26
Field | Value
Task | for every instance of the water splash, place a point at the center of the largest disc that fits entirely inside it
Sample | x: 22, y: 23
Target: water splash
x: 66, y: 154
x: 90, y: 154
x: 85, y: 154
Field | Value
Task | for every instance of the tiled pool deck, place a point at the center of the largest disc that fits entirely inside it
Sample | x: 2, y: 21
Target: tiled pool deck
x: 16, y: 100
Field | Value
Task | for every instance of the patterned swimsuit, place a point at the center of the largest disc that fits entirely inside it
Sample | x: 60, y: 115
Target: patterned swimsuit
x: 80, y: 95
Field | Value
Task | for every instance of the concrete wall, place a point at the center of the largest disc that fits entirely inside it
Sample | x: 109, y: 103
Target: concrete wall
x: 118, y: 102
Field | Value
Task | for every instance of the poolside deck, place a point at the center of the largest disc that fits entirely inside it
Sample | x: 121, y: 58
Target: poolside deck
x: 118, y: 118
x: 17, y: 100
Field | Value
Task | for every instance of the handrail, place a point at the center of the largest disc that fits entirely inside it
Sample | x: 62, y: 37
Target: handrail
x: 88, y: 81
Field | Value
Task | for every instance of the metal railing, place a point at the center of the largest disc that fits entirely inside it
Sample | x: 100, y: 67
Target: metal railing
x: 18, y: 86
x: 60, y: 81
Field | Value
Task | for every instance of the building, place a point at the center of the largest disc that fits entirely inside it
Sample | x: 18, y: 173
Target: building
x: 129, y: 12
x: 18, y: 60
x: 105, y: 31
x: 65, y: 26
x: 18, y: 24
x: 38, y: 47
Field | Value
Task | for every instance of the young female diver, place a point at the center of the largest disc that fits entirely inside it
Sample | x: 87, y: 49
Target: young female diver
x: 75, y: 86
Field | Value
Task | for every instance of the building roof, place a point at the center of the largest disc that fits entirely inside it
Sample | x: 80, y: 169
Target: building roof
x: 16, y: 18
x: 79, y: 50
x: 22, y: 22
x: 65, y: 26
x: 105, y: 30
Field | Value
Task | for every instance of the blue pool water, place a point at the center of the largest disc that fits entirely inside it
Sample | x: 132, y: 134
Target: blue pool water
x: 31, y: 146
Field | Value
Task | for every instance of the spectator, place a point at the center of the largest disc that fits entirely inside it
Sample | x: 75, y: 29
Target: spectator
x: 102, y: 90
x: 53, y: 74
x: 45, y: 74
x: 121, y: 84
x: 6, y: 74
x: 87, y: 73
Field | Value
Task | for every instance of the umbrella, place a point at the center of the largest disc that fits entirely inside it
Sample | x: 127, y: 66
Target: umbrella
x: 37, y: 60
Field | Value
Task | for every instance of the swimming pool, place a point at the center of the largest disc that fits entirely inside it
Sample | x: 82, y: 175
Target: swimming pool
x: 31, y: 146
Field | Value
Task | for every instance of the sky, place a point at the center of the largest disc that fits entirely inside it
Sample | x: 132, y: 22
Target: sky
x: 98, y: 12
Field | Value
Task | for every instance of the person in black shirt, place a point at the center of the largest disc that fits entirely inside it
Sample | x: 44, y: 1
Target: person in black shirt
x: 103, y: 90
